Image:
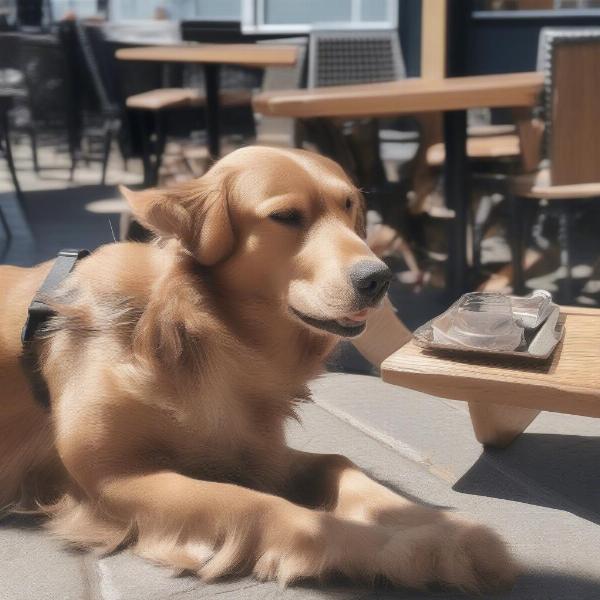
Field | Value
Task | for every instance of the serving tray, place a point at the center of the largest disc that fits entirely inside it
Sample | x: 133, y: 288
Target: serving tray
x: 539, y: 343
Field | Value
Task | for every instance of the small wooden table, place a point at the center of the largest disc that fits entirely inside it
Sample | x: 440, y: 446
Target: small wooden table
x: 452, y: 96
x: 212, y: 56
x: 504, y: 396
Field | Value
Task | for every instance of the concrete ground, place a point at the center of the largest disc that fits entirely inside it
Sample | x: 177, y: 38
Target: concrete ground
x: 542, y: 493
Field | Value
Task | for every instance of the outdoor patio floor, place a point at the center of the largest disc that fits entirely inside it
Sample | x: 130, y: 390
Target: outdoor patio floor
x: 542, y: 493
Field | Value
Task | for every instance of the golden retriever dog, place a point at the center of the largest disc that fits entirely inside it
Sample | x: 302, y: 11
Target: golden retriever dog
x: 172, y: 368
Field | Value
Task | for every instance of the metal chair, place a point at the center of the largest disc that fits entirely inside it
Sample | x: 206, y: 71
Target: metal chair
x: 117, y: 87
x: 90, y: 44
x: 570, y: 169
x: 50, y: 95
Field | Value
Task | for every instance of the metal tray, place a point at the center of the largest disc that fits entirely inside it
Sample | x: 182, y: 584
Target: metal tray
x: 539, y: 343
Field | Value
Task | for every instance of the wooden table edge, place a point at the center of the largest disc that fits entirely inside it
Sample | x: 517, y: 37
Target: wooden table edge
x: 280, y: 55
x: 582, y: 401
x: 404, y: 96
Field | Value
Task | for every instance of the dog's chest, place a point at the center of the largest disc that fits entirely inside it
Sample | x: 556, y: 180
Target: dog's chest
x: 228, y: 442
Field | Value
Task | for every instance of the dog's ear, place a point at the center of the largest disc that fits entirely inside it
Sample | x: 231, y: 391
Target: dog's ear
x: 195, y: 212
x: 360, y: 226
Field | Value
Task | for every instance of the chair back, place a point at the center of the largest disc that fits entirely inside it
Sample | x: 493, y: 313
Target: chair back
x: 278, y: 131
x: 354, y: 57
x: 570, y: 59
x: 50, y: 97
x: 208, y: 32
x: 9, y: 51
x: 98, y: 65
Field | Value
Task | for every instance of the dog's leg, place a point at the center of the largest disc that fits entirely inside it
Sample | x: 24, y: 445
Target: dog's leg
x: 217, y: 529
x: 442, y: 547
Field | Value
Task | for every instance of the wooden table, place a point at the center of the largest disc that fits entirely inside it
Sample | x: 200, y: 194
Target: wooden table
x: 504, y: 396
x: 452, y: 96
x: 212, y: 56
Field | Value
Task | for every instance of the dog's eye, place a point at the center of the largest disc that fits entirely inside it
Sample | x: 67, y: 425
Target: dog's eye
x: 349, y: 203
x: 291, y: 217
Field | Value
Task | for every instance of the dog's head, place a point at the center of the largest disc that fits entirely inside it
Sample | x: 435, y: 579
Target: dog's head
x: 277, y: 224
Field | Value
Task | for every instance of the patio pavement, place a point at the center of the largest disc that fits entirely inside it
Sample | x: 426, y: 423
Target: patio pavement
x: 542, y: 493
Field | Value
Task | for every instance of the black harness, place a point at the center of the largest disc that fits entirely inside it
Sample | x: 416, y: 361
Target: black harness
x: 38, y: 314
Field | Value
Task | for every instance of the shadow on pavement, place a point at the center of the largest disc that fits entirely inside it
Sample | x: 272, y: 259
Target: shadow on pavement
x: 555, y: 471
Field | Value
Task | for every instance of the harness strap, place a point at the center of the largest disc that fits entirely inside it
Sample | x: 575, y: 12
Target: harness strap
x: 39, y: 312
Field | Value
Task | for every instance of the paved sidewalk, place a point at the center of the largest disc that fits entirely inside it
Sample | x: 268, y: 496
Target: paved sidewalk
x: 542, y: 494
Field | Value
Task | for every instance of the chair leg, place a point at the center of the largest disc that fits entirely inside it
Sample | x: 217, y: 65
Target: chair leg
x: 516, y: 229
x: 146, y: 150
x: 34, y: 150
x: 5, y: 227
x: 160, y: 142
x: 564, y: 240
x: 480, y: 219
x: 5, y: 134
x: 73, y: 155
x: 108, y: 135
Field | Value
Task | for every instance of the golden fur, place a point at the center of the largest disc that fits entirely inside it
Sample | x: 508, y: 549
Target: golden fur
x: 172, y: 368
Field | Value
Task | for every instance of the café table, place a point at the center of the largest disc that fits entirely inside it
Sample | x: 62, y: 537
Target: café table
x: 505, y: 394
x: 212, y: 57
x: 451, y: 96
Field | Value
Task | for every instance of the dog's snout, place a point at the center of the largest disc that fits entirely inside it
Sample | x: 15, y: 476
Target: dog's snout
x: 370, y: 279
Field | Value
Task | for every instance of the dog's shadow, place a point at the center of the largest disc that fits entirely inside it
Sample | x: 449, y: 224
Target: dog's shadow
x: 555, y: 471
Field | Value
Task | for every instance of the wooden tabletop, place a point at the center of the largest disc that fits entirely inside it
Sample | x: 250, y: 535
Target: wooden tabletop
x: 405, y: 96
x: 255, y: 55
x: 568, y: 382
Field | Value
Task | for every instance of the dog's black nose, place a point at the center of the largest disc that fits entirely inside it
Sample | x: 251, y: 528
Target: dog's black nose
x: 370, y: 278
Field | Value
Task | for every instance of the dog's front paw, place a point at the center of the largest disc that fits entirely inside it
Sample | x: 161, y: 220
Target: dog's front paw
x: 453, y: 553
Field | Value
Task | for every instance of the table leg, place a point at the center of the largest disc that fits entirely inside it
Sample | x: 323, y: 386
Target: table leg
x: 149, y: 171
x: 499, y: 424
x: 211, y: 84
x: 457, y: 192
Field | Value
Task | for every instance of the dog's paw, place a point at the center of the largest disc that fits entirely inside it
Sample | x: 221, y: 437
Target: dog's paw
x: 454, y: 553
x: 488, y: 564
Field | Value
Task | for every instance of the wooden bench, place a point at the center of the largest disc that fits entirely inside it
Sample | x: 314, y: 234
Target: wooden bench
x: 505, y: 395
x: 480, y: 148
x: 167, y: 98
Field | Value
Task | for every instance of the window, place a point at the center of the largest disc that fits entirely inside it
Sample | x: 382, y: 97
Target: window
x: 294, y: 16
x: 82, y: 8
x: 535, y: 4
x: 178, y: 10
x: 270, y: 16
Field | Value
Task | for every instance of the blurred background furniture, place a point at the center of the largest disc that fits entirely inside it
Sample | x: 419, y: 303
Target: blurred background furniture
x: 569, y: 169
x: 156, y: 110
x: 50, y: 101
x: 212, y: 57
x: 7, y: 98
x: 452, y: 95
x: 359, y: 57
